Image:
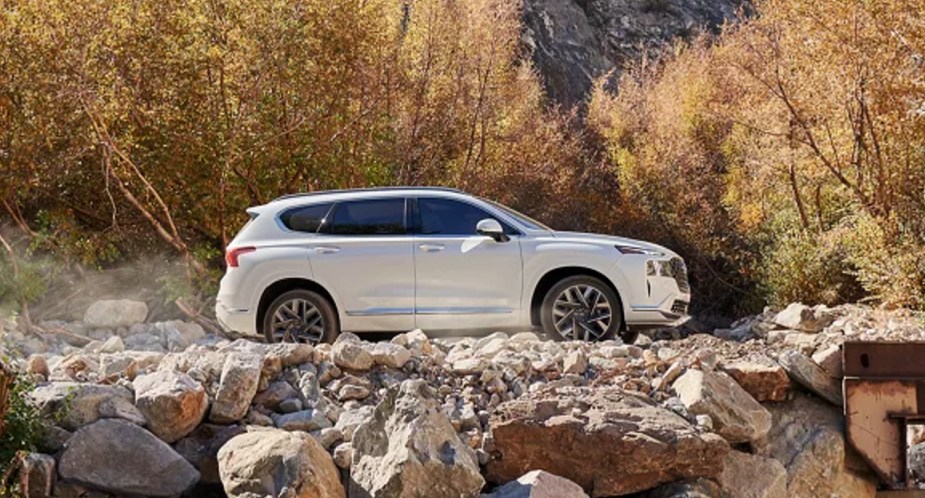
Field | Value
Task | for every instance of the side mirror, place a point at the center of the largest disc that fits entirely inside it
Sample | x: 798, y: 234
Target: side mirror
x: 491, y: 228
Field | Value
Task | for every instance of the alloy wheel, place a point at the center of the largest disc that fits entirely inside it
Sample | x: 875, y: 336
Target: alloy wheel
x: 297, y: 320
x: 582, y: 313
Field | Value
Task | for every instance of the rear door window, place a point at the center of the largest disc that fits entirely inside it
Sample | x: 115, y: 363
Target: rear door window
x: 306, y: 218
x: 368, y: 217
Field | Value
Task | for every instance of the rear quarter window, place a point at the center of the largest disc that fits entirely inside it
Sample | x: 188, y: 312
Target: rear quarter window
x: 305, y: 218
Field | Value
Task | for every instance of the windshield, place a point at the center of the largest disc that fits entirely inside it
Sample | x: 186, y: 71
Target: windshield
x: 520, y: 217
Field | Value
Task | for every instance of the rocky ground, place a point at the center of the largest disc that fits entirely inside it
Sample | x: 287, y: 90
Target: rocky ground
x: 163, y: 409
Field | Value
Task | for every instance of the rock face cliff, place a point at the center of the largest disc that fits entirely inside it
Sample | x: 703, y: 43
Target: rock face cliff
x: 573, y: 42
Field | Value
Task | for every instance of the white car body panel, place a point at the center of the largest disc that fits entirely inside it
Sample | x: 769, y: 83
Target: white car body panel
x: 392, y: 283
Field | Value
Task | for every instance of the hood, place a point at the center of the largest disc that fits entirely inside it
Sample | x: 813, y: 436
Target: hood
x: 594, y: 238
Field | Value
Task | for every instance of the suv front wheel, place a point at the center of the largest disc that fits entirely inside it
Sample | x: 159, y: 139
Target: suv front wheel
x: 581, y: 308
x: 300, y: 316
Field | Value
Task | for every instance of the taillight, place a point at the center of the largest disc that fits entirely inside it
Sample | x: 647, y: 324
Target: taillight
x: 232, y: 254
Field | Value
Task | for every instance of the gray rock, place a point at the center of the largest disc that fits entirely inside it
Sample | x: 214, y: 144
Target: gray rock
x: 171, y: 402
x: 736, y: 415
x: 539, y: 484
x: 807, y: 436
x: 830, y: 359
x: 409, y: 449
x: 351, y: 355
x: 83, y: 404
x: 112, y: 345
x: 389, y: 354
x: 753, y: 476
x: 115, y: 313
x: 915, y: 462
x: 124, y: 459
x: 808, y: 374
x: 575, y: 363
x: 278, y: 391
x: 290, y: 405
x: 277, y: 463
x: 237, y: 387
x: 305, y: 420
x: 349, y: 420
x: 343, y: 455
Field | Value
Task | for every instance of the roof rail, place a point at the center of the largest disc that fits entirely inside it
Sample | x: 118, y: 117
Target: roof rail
x: 365, y: 189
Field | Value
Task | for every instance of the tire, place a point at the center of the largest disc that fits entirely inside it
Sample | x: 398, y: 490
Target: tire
x: 296, y: 306
x: 558, y: 306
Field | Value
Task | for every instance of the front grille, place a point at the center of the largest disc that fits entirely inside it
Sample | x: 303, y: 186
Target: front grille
x: 679, y: 272
x: 679, y: 307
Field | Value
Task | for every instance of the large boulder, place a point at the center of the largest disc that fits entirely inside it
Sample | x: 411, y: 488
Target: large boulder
x: 408, y: 448
x: 753, y: 476
x: 274, y: 463
x: 807, y: 373
x: 807, y: 436
x: 237, y: 387
x: 539, y: 484
x: 76, y: 405
x: 633, y: 443
x: 124, y: 459
x: 112, y: 313
x: 736, y: 415
x: 171, y: 402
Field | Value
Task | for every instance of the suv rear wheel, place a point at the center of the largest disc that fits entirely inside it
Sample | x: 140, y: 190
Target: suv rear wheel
x: 581, y: 308
x: 300, y: 316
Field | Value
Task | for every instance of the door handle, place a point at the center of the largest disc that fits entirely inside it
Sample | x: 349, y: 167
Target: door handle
x: 431, y: 247
x: 326, y: 249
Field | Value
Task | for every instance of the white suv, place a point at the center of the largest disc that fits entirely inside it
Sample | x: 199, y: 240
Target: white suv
x: 393, y: 259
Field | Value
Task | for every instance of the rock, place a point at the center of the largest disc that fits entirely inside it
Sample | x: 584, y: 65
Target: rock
x: 736, y: 415
x: 807, y: 436
x: 575, y: 363
x: 237, y: 387
x: 83, y: 404
x: 171, y: 402
x: 798, y: 316
x: 201, y: 447
x: 351, y: 419
x: 763, y: 378
x: 699, y: 488
x: 128, y: 363
x: 278, y: 391
x: 343, y: 455
x: 144, y: 342
x: 469, y: 366
x: 305, y: 420
x: 539, y: 484
x: 753, y: 476
x: 416, y: 341
x: 352, y: 392
x: 115, y: 313
x: 36, y: 476
x: 291, y: 354
x: 389, y: 354
x: 112, y: 345
x: 124, y: 459
x: 38, y: 365
x: 278, y: 463
x: 830, y: 360
x: 351, y: 355
x: 409, y: 448
x: 561, y: 431
x: 808, y: 374
x: 290, y: 405
x: 328, y: 437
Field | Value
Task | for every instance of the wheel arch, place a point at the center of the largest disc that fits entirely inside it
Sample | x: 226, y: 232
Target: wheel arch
x: 551, y: 277
x: 278, y: 287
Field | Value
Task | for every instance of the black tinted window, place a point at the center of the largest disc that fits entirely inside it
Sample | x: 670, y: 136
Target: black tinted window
x: 305, y: 218
x: 372, y: 217
x: 449, y: 217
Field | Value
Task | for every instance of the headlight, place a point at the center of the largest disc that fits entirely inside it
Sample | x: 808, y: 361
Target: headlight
x: 661, y: 268
x: 637, y: 250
